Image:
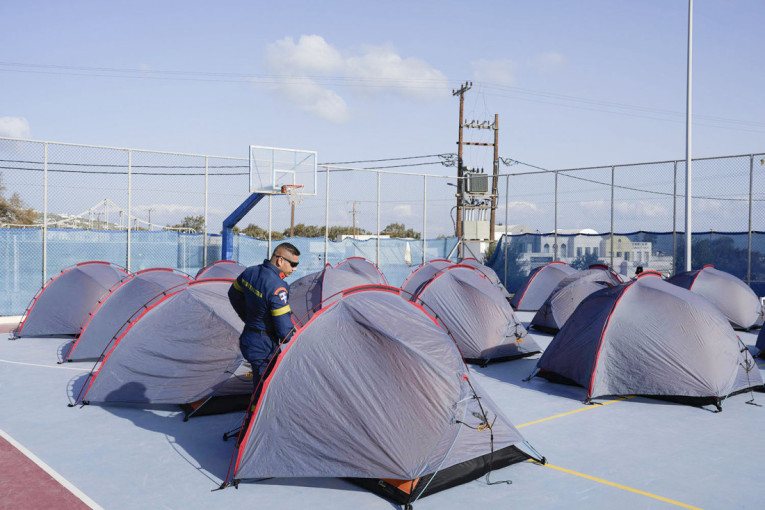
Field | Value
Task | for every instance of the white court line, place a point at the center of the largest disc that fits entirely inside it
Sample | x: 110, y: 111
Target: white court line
x: 60, y: 479
x: 57, y: 367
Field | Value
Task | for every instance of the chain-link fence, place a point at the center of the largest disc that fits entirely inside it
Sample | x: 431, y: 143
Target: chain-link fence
x: 66, y: 203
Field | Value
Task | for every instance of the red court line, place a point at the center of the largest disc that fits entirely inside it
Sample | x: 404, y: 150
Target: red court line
x: 25, y: 485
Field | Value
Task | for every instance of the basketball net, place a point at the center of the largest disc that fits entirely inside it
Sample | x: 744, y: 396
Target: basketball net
x: 292, y: 191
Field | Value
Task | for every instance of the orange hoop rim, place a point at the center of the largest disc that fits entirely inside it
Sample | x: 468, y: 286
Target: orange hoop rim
x: 288, y: 189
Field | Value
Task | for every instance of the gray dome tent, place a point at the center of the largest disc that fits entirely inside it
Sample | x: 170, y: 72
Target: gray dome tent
x: 651, y: 338
x: 373, y: 389
x: 178, y: 361
x: 221, y: 269
x: 362, y: 267
x: 61, y: 306
x: 567, y: 295
x: 311, y: 291
x: 539, y: 285
x: 424, y: 273
x: 488, y: 272
x: 475, y: 312
x: 731, y: 295
x: 117, y: 306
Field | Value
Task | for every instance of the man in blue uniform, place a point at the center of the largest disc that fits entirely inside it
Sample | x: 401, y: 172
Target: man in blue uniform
x: 260, y: 297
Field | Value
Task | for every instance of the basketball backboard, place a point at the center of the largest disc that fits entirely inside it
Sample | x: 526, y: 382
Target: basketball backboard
x: 273, y: 167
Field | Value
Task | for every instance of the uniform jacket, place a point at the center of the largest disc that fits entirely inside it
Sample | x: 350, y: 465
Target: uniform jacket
x: 261, y: 299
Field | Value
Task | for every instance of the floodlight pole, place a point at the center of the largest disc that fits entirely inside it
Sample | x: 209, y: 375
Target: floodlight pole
x: 688, y: 173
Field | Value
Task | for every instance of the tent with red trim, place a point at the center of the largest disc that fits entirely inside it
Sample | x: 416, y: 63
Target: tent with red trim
x: 313, y: 290
x: 477, y: 315
x: 117, y: 306
x: 569, y: 292
x: 488, y: 272
x: 61, y: 306
x: 730, y: 294
x: 362, y: 267
x: 651, y: 338
x: 182, y: 348
x: 424, y: 273
x: 374, y: 389
x: 538, y: 286
x: 221, y: 269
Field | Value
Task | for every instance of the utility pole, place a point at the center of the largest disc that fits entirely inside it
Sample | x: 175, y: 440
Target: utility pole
x: 354, y: 211
x: 461, y: 92
x: 149, y: 218
x: 461, y: 169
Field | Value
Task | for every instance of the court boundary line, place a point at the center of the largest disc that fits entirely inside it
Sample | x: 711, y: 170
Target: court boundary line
x: 58, y: 367
x: 52, y: 472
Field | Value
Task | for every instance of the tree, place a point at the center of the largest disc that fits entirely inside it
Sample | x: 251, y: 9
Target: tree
x: 255, y: 231
x: 303, y: 230
x: 13, y: 210
x: 400, y: 230
x: 195, y: 223
x: 585, y: 260
x: 336, y: 232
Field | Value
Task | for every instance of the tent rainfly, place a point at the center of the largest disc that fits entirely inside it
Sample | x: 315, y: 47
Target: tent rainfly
x: 651, y: 338
x: 221, y: 269
x: 117, y: 306
x: 735, y: 299
x: 538, y: 286
x: 387, y: 363
x: 488, y: 272
x: 477, y: 315
x: 424, y: 273
x: 182, y: 348
x: 312, y: 291
x: 567, y: 295
x: 61, y: 306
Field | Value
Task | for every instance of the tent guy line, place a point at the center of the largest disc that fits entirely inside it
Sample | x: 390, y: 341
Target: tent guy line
x: 618, y: 486
x: 50, y: 471
x: 586, y: 408
x: 44, y: 366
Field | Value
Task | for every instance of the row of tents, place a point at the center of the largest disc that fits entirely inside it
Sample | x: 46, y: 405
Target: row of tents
x: 373, y: 356
x: 377, y: 357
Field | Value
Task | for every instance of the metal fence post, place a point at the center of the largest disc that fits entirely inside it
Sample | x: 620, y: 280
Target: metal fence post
x: 674, y: 221
x: 749, y: 257
x: 326, y: 218
x: 504, y: 238
x: 129, y: 198
x: 377, y: 257
x: 424, y: 213
x: 555, y: 242
x: 45, y: 216
x: 612, y: 218
x: 204, y: 240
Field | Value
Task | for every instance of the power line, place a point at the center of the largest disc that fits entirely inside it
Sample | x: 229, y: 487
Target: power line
x: 386, y: 159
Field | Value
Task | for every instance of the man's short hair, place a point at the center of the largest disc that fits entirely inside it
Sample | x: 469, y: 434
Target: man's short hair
x: 289, y: 247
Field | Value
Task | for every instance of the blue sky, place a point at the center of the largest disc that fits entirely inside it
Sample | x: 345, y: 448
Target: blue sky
x: 575, y: 83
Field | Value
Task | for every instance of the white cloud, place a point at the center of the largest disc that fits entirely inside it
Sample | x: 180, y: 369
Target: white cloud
x: 310, y: 54
x: 306, y: 69
x: 403, y: 211
x: 642, y: 208
x: 547, y: 61
x: 14, y: 127
x: 498, y: 72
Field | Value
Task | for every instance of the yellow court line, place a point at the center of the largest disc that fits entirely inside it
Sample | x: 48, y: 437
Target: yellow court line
x: 587, y: 408
x: 618, y: 486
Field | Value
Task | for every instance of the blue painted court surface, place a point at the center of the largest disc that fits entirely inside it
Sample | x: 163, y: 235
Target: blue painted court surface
x: 626, y: 453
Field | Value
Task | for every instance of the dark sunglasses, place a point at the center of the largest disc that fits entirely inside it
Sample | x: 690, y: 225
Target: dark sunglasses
x: 292, y: 263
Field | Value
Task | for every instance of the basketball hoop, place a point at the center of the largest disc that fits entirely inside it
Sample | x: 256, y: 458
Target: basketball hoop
x: 293, y: 193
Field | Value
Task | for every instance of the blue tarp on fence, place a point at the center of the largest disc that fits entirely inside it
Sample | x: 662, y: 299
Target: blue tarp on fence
x: 21, y: 255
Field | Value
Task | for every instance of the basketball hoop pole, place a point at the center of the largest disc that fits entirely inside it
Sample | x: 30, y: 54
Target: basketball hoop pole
x: 227, y: 235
